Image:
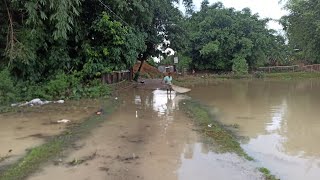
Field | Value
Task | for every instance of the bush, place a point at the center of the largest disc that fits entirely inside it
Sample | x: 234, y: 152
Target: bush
x: 259, y: 74
x: 58, y: 86
x: 240, y: 66
x: 184, y: 62
x: 61, y: 86
x: 7, y: 89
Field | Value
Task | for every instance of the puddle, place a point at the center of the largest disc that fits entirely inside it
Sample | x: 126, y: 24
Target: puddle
x: 147, y: 138
x: 198, y: 162
x: 279, y: 118
x: 32, y: 126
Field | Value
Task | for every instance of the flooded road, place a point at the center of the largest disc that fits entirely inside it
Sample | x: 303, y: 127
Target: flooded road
x: 280, y: 120
x: 20, y: 131
x: 147, y: 138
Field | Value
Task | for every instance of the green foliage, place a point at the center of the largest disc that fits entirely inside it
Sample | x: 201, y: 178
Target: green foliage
x: 58, y: 86
x: 184, y: 62
x: 259, y: 74
x: 303, y: 29
x: 113, y: 47
x: 267, y: 174
x: 46, y: 37
x: 240, y: 66
x: 7, y: 89
x: 219, y: 35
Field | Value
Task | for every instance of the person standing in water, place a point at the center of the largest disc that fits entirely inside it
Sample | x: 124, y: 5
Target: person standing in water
x: 168, y: 81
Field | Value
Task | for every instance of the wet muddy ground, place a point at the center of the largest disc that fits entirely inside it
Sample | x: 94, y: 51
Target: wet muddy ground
x: 30, y: 127
x: 147, y: 138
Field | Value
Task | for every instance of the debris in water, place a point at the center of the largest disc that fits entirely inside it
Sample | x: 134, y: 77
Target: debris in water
x: 99, y: 112
x: 116, y: 98
x: 35, y: 102
x: 59, y: 102
x: 63, y: 121
x: 210, y: 125
x: 136, y: 114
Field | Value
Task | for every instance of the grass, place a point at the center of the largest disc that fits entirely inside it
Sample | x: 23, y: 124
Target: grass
x: 223, y: 138
x: 267, y: 174
x: 189, y: 81
x: 293, y: 75
x: 53, y: 147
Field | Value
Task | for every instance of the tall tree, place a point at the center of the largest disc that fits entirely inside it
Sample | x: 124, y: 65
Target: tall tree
x: 303, y: 29
x: 222, y: 37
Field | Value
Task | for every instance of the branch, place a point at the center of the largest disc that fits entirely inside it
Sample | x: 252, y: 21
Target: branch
x: 10, y: 36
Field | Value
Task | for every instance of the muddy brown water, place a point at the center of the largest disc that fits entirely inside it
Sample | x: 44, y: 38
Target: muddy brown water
x: 20, y: 131
x: 148, y: 138
x: 281, y: 120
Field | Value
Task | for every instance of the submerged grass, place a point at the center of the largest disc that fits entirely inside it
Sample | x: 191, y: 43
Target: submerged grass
x: 210, y: 127
x: 267, y: 174
x: 53, y: 147
x: 226, y: 141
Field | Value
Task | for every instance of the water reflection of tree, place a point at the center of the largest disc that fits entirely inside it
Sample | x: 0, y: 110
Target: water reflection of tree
x: 303, y: 127
x: 251, y: 104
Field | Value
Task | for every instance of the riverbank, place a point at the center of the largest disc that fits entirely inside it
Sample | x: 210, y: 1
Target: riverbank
x: 206, y: 78
x: 52, y: 148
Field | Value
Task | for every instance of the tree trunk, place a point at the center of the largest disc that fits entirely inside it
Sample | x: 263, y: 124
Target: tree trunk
x: 136, y: 76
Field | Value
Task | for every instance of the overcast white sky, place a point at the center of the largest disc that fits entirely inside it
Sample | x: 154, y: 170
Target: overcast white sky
x: 265, y: 8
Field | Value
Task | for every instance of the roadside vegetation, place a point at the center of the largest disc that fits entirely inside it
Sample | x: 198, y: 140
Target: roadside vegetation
x: 209, y: 126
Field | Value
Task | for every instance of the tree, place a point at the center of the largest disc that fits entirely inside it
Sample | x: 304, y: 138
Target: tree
x: 221, y: 36
x: 47, y: 36
x: 302, y: 26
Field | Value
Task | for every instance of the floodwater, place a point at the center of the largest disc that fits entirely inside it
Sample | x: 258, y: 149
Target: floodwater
x: 280, y: 121
x: 30, y: 127
x: 147, y: 138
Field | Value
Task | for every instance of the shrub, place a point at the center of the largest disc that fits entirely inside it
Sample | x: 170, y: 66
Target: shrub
x: 7, y: 89
x: 240, y: 66
x: 259, y: 74
x: 58, y: 86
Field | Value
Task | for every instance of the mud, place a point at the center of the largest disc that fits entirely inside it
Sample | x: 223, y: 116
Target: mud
x: 31, y: 127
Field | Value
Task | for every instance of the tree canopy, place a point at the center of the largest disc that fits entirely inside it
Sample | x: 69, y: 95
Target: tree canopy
x: 221, y: 37
x: 42, y: 38
x: 303, y: 29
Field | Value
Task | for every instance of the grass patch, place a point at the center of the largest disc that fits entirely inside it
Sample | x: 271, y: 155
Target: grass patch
x: 293, y: 75
x: 53, y: 147
x: 267, y: 174
x: 189, y: 81
x: 225, y: 140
